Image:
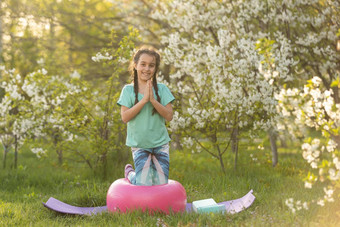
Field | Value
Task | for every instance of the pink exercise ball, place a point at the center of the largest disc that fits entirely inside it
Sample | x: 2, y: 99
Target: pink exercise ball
x: 123, y: 196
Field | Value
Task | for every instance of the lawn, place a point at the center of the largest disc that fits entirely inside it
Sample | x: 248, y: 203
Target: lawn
x: 24, y: 189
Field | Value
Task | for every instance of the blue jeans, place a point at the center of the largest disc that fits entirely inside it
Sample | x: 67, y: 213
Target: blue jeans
x: 151, y: 166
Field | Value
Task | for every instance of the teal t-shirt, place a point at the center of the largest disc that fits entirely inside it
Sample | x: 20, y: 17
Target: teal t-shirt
x: 146, y: 130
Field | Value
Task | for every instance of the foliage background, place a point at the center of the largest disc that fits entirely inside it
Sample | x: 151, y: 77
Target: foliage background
x: 263, y: 73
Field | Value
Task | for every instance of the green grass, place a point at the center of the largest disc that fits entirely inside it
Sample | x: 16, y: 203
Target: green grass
x: 23, y: 190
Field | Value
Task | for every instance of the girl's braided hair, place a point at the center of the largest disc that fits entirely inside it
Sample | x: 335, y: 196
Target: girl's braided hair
x: 134, y: 76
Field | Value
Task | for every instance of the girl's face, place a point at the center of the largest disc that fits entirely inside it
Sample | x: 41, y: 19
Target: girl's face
x: 146, y: 67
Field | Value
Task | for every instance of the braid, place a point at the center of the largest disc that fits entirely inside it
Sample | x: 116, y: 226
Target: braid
x: 154, y: 83
x: 135, y: 85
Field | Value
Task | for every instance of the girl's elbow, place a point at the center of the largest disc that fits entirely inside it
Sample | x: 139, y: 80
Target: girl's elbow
x: 169, y: 117
x: 124, y: 119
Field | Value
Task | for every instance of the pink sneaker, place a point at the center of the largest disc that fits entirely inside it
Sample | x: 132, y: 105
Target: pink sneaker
x: 128, y: 169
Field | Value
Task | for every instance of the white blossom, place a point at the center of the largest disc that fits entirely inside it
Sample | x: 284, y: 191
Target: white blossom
x: 39, y: 152
x: 321, y: 202
x: 75, y: 75
x: 99, y: 57
x: 308, y: 184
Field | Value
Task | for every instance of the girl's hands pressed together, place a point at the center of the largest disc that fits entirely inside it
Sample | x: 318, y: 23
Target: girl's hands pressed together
x: 149, y: 86
x: 146, y: 93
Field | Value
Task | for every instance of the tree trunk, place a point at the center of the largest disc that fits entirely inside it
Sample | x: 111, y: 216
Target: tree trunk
x: 60, y: 157
x: 336, y: 139
x: 283, y: 142
x: 166, y: 73
x: 176, y: 141
x: 105, y: 165
x: 0, y: 38
x: 4, y: 157
x: 105, y: 137
x: 336, y: 95
x: 221, y: 162
x: 70, y: 57
x: 220, y: 154
x: 234, y: 145
x: 6, y: 144
x: 121, y: 137
x: 52, y: 37
x: 15, y: 152
x: 58, y: 148
x: 272, y: 138
x: 236, y: 157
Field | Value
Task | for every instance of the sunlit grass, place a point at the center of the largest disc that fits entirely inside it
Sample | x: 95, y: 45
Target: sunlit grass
x: 23, y: 190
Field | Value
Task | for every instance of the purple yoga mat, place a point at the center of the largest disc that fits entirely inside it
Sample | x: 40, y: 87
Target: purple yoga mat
x: 232, y: 206
x: 65, y: 208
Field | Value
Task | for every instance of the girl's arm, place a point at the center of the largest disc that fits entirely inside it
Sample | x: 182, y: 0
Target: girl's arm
x: 129, y: 113
x: 164, y: 111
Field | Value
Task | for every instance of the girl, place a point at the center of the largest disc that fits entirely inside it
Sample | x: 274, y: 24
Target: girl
x: 145, y: 105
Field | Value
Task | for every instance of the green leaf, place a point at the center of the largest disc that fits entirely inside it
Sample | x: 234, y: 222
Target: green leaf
x: 336, y: 83
x: 338, y: 34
